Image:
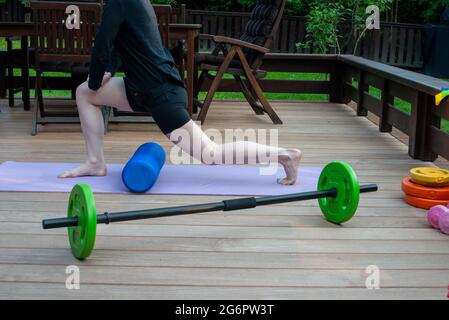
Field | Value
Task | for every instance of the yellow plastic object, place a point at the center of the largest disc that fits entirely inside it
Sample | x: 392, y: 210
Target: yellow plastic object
x: 441, y: 96
x: 435, y: 177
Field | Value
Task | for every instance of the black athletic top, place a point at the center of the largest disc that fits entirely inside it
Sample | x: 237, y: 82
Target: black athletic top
x: 129, y: 35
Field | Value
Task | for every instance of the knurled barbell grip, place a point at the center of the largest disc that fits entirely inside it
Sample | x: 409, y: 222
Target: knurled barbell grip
x: 238, y: 204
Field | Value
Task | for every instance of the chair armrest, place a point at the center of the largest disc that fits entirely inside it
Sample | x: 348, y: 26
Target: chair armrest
x: 204, y: 36
x: 240, y: 43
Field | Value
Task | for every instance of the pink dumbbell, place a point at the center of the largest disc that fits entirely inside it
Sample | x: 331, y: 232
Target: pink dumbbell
x: 438, y: 217
x: 444, y: 222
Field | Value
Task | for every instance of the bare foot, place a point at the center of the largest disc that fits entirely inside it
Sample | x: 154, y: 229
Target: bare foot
x: 290, y: 161
x: 87, y: 169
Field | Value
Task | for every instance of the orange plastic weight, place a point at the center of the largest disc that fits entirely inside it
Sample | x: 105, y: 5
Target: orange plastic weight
x: 420, y: 191
x: 424, y: 203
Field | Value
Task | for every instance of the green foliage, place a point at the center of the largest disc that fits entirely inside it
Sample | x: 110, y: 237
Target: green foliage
x: 432, y: 8
x: 322, y: 27
x: 421, y: 11
x: 325, y: 19
x: 294, y: 7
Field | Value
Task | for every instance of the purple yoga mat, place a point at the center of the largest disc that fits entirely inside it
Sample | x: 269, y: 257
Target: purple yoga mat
x: 240, y: 180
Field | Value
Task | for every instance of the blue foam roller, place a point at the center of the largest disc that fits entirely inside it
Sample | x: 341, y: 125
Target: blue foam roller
x: 142, y: 170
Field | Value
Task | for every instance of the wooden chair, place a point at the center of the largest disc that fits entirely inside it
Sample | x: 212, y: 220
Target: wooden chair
x: 179, y: 16
x: 164, y: 15
x: 242, y: 58
x: 58, y: 48
x: 3, y: 65
x: 16, y: 58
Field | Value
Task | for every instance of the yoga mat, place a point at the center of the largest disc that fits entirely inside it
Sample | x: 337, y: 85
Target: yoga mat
x: 238, y: 180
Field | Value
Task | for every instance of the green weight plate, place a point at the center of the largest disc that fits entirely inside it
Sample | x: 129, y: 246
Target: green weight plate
x: 341, y: 176
x: 82, y: 205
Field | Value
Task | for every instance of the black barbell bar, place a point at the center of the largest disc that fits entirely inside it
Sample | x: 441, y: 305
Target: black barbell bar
x: 225, y: 205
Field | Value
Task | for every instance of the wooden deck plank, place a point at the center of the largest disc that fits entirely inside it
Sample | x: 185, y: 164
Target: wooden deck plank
x: 282, y: 251
x: 244, y: 232
x: 255, y: 220
x: 225, y: 277
x: 16, y: 290
x: 273, y: 260
x: 139, y: 244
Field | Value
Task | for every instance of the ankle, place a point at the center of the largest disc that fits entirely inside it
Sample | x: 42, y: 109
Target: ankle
x: 95, y: 163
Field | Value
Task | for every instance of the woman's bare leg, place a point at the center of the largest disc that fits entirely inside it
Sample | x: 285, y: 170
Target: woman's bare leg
x: 111, y: 93
x: 213, y: 153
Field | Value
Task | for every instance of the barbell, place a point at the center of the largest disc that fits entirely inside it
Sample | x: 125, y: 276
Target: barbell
x: 338, y: 196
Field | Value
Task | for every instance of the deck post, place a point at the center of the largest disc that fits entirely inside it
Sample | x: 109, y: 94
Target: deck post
x: 387, y: 100
x: 432, y: 121
x: 336, y: 78
x: 363, y: 87
x: 420, y: 122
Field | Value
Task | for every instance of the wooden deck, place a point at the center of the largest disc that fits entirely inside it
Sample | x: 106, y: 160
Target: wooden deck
x: 278, y: 252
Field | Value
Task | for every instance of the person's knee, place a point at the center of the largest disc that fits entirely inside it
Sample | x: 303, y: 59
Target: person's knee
x: 82, y: 92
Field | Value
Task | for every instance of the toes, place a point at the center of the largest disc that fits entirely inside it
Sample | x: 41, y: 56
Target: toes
x: 64, y: 175
x: 68, y: 174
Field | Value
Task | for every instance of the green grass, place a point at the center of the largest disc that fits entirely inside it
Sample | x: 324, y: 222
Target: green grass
x: 279, y: 96
x: 219, y: 95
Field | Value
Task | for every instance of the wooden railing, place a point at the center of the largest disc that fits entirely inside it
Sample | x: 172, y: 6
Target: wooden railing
x: 351, y: 78
x: 395, y: 43
x: 318, y: 64
x: 422, y: 125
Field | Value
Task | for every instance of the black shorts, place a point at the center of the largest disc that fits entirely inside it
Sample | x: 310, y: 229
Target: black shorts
x: 167, y: 104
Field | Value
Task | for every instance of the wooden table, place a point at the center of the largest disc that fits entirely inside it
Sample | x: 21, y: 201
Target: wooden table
x: 10, y: 29
x: 24, y: 30
x: 190, y: 33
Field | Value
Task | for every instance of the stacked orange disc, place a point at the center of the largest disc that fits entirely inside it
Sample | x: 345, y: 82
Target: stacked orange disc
x: 426, y: 187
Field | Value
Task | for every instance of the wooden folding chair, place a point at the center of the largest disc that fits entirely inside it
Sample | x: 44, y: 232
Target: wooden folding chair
x: 58, y: 48
x: 242, y: 58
